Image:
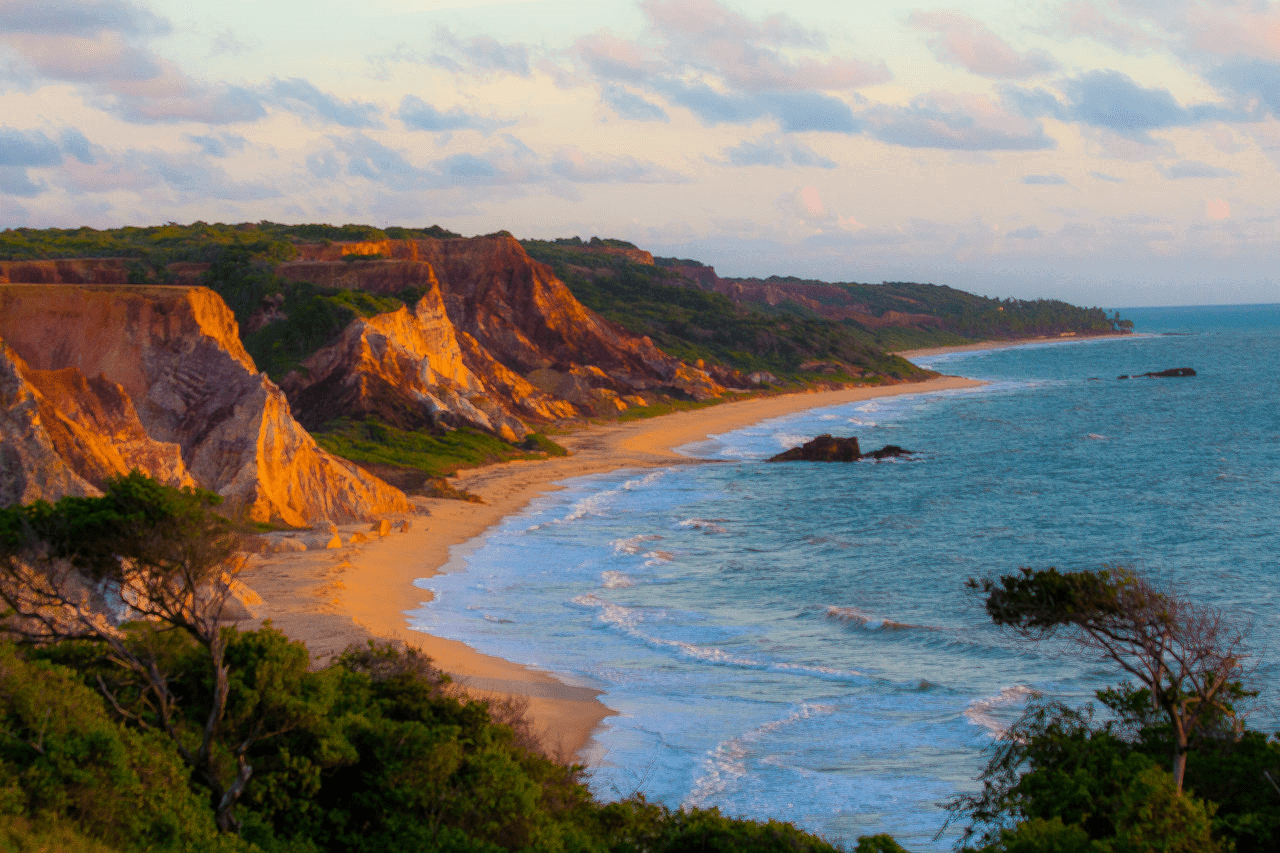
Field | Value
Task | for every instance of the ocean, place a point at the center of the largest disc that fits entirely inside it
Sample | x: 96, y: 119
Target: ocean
x: 795, y: 641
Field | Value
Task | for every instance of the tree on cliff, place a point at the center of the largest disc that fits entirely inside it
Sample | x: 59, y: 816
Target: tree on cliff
x: 1187, y: 659
x: 140, y: 573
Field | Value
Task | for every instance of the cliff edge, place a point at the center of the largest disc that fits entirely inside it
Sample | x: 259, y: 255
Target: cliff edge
x: 93, y: 369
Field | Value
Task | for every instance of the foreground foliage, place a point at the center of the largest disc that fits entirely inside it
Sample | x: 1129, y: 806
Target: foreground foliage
x: 377, y: 751
x: 1167, y: 765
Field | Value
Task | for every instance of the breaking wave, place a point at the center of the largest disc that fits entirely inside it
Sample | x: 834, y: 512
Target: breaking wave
x: 987, y: 712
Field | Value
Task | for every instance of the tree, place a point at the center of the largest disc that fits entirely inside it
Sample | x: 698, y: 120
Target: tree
x: 1188, y: 660
x: 158, y: 557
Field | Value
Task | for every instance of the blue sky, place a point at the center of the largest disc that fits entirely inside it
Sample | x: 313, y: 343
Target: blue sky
x: 1109, y: 152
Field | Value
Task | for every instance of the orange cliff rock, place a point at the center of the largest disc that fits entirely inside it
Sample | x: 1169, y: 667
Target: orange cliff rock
x: 522, y: 333
x: 407, y: 368
x: 169, y: 358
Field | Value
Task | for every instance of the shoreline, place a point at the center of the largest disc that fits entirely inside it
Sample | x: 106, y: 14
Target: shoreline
x: 925, y: 352
x: 331, y: 599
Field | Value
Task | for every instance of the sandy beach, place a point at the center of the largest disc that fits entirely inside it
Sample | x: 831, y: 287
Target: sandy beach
x: 334, y: 598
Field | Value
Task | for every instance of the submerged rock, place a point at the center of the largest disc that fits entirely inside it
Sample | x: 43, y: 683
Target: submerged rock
x: 1171, y: 372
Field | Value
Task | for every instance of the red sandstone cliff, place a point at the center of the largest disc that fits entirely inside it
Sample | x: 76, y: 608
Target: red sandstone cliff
x: 538, y: 353
x: 130, y: 370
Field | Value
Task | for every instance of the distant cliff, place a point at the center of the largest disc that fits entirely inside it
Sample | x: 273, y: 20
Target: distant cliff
x: 95, y: 380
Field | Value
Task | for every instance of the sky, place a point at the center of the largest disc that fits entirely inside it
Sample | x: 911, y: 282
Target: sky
x: 1105, y: 152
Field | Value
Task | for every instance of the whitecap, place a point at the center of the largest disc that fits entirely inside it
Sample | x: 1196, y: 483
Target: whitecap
x: 985, y: 712
x: 869, y: 621
x: 633, y: 544
x: 616, y: 580
x: 727, y: 762
x: 706, y: 525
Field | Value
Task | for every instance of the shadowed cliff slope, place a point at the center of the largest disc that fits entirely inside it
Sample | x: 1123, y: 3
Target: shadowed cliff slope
x: 128, y: 369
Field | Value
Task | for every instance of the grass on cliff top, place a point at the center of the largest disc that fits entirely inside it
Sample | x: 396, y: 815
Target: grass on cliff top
x: 370, y: 442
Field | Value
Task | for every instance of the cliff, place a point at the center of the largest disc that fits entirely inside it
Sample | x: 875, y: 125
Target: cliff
x: 67, y: 271
x: 407, y: 368
x: 530, y: 349
x: 94, y: 369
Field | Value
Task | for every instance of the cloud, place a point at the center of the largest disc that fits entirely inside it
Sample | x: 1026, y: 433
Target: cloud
x: 572, y: 164
x: 176, y: 98
x: 616, y: 59
x: 417, y: 114
x: 1089, y: 19
x: 221, y: 145
x: 1199, y: 32
x: 748, y: 55
x: 631, y: 106
x: 188, y: 176
x: 1112, y: 100
x: 28, y: 148
x: 77, y: 145
x: 724, y: 67
x: 775, y: 152
x: 1044, y: 180
x: 1253, y: 78
x: 1111, y: 179
x: 20, y: 151
x: 1030, y: 232
x: 101, y: 46
x: 1195, y: 169
x: 80, y: 17
x: 963, y: 41
x: 481, y: 56
x: 956, y: 122
x: 16, y: 182
x: 301, y: 97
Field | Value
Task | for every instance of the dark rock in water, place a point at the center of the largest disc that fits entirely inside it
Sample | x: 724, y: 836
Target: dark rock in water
x: 828, y: 448
x: 824, y: 448
x: 1173, y: 371
x: 1123, y: 376
x: 889, y: 451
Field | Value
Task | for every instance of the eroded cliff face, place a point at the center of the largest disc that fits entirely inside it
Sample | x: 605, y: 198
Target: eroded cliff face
x: 173, y: 356
x: 538, y: 352
x: 407, y: 368
x: 31, y: 467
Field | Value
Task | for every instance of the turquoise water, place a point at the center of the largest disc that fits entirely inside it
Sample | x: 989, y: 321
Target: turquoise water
x: 796, y: 642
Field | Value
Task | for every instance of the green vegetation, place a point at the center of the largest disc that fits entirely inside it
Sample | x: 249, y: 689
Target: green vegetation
x: 693, y: 324
x: 955, y: 312
x: 1168, y: 767
x: 373, y: 443
x: 376, y: 751
x: 201, y: 242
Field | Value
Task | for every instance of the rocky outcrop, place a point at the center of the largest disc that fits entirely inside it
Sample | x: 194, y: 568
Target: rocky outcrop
x: 829, y: 448
x: 534, y: 350
x: 169, y: 360
x: 406, y: 368
x: 30, y: 466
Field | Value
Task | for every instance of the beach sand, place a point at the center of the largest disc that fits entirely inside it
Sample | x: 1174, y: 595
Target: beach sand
x: 333, y: 598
